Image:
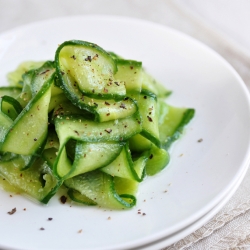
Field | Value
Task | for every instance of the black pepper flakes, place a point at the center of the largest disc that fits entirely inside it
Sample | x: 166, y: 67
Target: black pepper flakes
x: 12, y: 211
x: 35, y: 139
x: 123, y: 106
x: 42, y: 228
x: 149, y: 119
x: 106, y: 103
x: 108, y: 130
x: 200, y: 140
x: 151, y: 156
x: 116, y: 83
x: 88, y: 58
x: 73, y: 57
x: 63, y: 199
x: 76, y: 132
x: 50, y: 219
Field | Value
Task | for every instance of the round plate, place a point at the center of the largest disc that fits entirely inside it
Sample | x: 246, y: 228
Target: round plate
x: 199, y: 175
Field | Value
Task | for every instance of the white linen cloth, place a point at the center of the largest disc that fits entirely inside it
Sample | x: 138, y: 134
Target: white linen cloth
x: 221, y: 24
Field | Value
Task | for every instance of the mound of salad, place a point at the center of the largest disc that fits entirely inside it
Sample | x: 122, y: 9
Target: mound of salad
x: 90, y: 121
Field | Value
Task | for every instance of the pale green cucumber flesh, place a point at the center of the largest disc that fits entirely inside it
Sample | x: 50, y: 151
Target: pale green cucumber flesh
x: 10, y: 91
x: 90, y: 68
x: 37, y: 182
x: 158, y: 160
x: 100, y: 188
x: 172, y: 121
x: 29, y: 130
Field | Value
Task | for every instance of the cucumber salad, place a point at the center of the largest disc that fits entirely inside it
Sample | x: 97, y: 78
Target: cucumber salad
x: 90, y: 121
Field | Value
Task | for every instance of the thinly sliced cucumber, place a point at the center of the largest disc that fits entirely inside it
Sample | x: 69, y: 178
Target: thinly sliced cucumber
x: 10, y: 107
x: 5, y: 123
x: 158, y: 160
x: 130, y: 72
x: 57, y: 96
x: 88, y: 157
x: 68, y: 109
x: 139, y: 143
x: 104, y: 110
x: 56, y: 100
x: 88, y: 67
x: 29, y: 129
x: 148, y: 108
x: 55, y: 90
x: 10, y: 91
x: 76, y: 196
x: 80, y: 129
x: 51, y: 147
x: 28, y: 160
x: 172, y: 121
x: 122, y: 187
x: 126, y: 186
x: 52, y: 140
x: 41, y: 75
x: 26, y: 94
x: 50, y: 155
x: 151, y: 85
x: 100, y: 188
x: 114, y: 55
x: 37, y: 182
x: 15, y: 77
x: 110, y: 109
x: 124, y: 167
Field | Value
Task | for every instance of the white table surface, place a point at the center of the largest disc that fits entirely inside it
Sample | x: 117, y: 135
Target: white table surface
x: 221, y: 24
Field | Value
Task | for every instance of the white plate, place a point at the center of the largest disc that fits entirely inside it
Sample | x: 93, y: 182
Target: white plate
x: 199, y: 174
x: 181, y: 234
